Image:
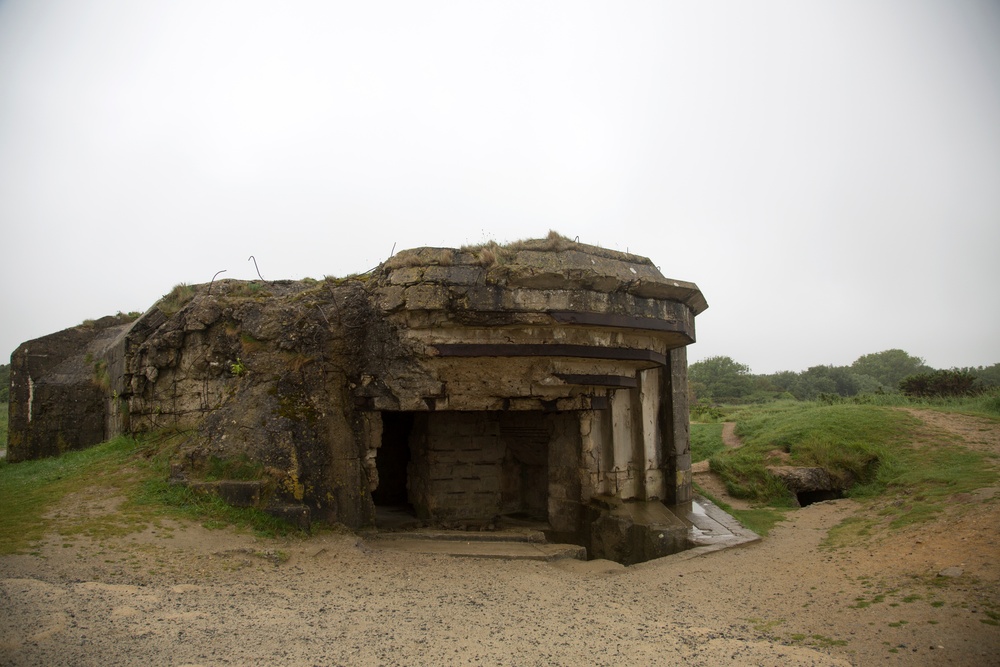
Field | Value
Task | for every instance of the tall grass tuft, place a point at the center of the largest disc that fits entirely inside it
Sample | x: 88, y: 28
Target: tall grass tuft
x: 176, y: 299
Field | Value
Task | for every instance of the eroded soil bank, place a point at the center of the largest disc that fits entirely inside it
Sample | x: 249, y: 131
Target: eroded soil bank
x: 184, y: 595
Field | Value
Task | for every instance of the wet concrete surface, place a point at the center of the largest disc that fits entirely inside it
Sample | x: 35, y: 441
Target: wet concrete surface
x: 709, y: 529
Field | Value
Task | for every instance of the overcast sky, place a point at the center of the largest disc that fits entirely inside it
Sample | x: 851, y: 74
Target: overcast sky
x: 828, y: 173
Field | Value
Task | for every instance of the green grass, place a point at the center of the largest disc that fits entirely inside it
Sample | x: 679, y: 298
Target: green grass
x: 985, y: 405
x: 706, y: 441
x: 759, y: 519
x: 852, y: 442
x: 923, y: 479
x: 29, y: 490
x: 3, y: 425
x: 876, y: 453
x: 133, y: 471
x: 176, y: 299
x: 239, y: 468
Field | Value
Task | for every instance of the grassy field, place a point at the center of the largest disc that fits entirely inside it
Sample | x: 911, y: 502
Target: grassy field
x: 874, y: 451
x: 877, y: 452
x: 706, y: 441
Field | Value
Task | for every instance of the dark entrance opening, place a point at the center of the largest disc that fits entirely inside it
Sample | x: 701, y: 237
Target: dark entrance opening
x: 463, y: 468
x: 392, y: 460
x: 809, y: 497
x: 524, y: 479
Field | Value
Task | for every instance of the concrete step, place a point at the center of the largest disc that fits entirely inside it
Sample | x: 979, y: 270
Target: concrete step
x: 507, y: 535
x: 478, y: 548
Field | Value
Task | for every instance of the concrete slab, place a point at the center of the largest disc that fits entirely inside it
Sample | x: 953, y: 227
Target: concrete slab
x: 711, y: 529
x: 479, y: 549
x: 710, y: 525
x: 509, y: 535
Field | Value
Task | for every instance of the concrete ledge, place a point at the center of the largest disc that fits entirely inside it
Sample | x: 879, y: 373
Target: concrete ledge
x: 526, y: 535
x: 481, y: 549
x: 711, y: 529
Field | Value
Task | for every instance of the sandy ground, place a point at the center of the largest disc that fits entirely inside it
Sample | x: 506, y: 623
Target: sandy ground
x: 180, y: 594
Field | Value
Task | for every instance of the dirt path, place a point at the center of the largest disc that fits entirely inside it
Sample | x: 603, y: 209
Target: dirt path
x: 711, y: 483
x: 729, y: 437
x: 183, y: 595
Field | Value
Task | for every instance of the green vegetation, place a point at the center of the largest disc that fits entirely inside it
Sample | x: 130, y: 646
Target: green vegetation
x: 939, y: 383
x: 984, y: 404
x: 724, y: 380
x: 127, y: 475
x: 908, y: 470
x: 492, y: 254
x: 176, y: 299
x: 4, y: 383
x: 849, y: 441
x: 3, y: 425
x: 869, y: 449
x: 240, y: 468
x: 759, y: 519
x: 889, y: 367
x: 706, y: 441
x: 848, y: 427
x: 720, y: 379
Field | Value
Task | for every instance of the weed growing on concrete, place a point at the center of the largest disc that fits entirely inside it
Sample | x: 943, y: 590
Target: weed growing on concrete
x: 176, y: 299
x: 102, y: 378
x: 238, y: 468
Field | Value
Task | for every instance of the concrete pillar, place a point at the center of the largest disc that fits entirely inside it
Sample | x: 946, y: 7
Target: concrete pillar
x: 676, y: 429
x: 565, y: 492
x: 652, y: 440
x: 623, y: 434
x: 594, y: 463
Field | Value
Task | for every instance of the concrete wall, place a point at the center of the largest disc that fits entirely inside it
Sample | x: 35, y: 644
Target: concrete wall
x: 59, y: 389
x: 456, y: 466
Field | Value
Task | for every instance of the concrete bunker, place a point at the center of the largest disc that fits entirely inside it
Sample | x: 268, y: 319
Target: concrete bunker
x: 545, y: 382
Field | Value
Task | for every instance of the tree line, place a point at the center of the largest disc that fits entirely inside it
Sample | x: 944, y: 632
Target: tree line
x: 724, y: 380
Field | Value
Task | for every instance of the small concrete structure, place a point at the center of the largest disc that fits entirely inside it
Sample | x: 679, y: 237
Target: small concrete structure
x: 544, y: 381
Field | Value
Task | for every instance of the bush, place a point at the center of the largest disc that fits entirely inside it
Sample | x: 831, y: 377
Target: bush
x: 940, y: 384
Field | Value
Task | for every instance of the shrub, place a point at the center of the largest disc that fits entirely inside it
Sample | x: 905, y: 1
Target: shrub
x: 940, y: 384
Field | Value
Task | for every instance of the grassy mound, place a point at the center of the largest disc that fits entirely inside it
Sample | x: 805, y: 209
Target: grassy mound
x: 874, y: 451
x: 127, y: 474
